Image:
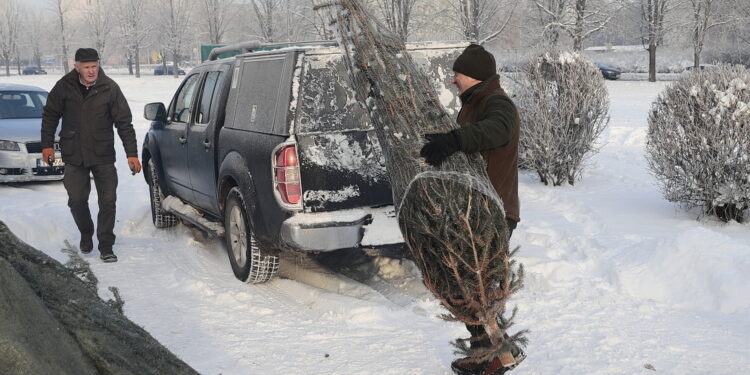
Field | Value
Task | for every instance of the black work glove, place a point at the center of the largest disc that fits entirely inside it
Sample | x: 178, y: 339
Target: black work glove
x: 439, y: 147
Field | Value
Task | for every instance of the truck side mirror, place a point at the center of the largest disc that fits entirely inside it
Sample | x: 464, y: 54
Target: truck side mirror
x: 155, y: 112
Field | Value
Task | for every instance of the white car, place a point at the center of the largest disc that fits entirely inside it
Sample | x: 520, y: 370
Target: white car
x: 21, y: 110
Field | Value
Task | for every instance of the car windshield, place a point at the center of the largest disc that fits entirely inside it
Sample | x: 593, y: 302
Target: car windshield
x: 22, y: 104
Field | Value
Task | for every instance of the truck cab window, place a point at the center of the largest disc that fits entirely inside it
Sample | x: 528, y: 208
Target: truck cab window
x: 209, y: 92
x: 184, y: 100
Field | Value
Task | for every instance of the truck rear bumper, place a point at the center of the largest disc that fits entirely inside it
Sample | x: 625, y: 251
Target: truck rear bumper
x: 328, y: 231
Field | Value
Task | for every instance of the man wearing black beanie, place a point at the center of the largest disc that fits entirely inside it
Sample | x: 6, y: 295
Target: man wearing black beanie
x: 489, y: 124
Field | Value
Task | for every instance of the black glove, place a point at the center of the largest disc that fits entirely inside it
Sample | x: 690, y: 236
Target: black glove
x: 439, y: 147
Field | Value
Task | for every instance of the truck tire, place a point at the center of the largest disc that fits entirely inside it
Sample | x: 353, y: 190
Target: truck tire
x: 160, y: 217
x: 248, y: 262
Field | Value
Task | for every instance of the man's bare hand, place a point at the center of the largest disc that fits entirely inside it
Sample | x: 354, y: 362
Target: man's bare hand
x: 48, y: 155
x: 134, y: 164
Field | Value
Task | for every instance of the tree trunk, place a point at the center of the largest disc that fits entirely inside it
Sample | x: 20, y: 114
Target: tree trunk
x: 137, y: 62
x: 696, y: 59
x: 56, y: 324
x: 578, y: 28
x: 652, y: 62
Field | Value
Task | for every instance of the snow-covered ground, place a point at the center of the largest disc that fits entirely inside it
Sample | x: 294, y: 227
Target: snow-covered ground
x: 618, y: 279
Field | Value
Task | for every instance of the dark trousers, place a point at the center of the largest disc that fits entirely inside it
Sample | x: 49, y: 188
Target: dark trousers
x: 478, y: 330
x: 77, y: 182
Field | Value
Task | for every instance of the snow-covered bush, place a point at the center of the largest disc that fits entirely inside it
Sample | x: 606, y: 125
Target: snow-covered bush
x: 564, y: 107
x: 699, y: 140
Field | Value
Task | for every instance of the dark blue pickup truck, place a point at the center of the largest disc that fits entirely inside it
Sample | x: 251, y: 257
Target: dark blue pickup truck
x: 271, y: 150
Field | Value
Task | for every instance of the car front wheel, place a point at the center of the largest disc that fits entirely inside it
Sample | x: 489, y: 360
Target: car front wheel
x: 249, y: 264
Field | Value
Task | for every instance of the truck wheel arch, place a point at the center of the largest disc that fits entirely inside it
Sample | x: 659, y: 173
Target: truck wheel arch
x: 233, y: 172
x: 145, y: 157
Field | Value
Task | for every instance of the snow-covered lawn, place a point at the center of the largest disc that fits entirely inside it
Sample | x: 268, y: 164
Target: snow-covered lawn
x: 617, y: 277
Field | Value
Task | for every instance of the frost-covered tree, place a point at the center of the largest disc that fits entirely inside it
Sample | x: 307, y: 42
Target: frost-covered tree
x: 564, y: 108
x: 482, y: 20
x: 266, y: 12
x: 653, y: 28
x: 133, y: 31
x: 577, y: 18
x: 218, y: 15
x: 705, y: 17
x: 10, y: 23
x: 397, y: 14
x: 176, y: 16
x: 61, y: 8
x: 698, y: 144
x: 99, y: 23
x: 551, y: 14
x: 34, y: 26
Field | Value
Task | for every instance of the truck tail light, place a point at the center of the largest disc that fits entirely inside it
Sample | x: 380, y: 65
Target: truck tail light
x: 287, y: 176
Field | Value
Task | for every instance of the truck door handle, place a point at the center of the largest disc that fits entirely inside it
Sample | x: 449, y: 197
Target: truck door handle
x: 182, y: 140
x: 207, y: 143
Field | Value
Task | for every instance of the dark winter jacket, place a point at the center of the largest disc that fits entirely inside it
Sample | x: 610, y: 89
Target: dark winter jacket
x: 490, y: 124
x: 86, y: 137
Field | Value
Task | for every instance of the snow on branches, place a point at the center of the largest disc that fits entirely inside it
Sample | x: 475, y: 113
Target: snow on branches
x: 698, y: 141
x: 564, y: 108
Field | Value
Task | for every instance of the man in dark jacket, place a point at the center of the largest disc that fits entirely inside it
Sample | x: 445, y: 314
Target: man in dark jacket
x: 490, y: 124
x: 89, y: 103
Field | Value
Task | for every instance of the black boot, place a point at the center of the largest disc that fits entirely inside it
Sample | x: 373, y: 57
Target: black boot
x: 86, y: 244
x: 107, y: 255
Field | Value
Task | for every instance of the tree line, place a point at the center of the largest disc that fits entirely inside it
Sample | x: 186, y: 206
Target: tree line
x: 130, y: 31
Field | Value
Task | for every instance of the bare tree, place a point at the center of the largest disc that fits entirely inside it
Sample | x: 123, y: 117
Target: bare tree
x: 218, y: 16
x: 397, y: 15
x: 652, y: 30
x: 551, y: 16
x: 61, y: 10
x: 705, y: 17
x: 98, y: 17
x: 590, y: 19
x: 177, y: 21
x: 132, y: 31
x: 265, y: 12
x: 35, y: 27
x: 481, y: 20
x: 10, y: 22
x: 578, y: 18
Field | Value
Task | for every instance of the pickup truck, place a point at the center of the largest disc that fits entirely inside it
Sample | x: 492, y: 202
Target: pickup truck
x: 271, y: 150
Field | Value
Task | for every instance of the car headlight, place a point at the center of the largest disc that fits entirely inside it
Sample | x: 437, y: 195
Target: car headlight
x: 9, y: 146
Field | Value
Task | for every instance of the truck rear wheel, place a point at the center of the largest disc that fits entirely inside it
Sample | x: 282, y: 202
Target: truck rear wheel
x: 248, y: 262
x: 160, y: 217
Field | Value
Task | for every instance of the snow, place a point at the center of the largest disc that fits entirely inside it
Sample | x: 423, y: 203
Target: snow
x: 618, y: 279
x: 333, y: 195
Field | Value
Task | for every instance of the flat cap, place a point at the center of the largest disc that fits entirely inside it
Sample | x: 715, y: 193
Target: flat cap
x: 87, y: 54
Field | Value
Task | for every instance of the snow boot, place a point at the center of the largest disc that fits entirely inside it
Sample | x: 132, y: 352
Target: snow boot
x: 86, y: 245
x: 107, y: 256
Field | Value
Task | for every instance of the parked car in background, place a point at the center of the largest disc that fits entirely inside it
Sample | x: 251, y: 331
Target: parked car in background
x: 609, y: 72
x: 20, y: 136
x: 159, y: 70
x: 33, y: 70
x: 690, y: 68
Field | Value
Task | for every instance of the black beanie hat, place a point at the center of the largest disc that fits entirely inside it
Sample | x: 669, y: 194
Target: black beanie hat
x: 87, y: 54
x: 476, y: 63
